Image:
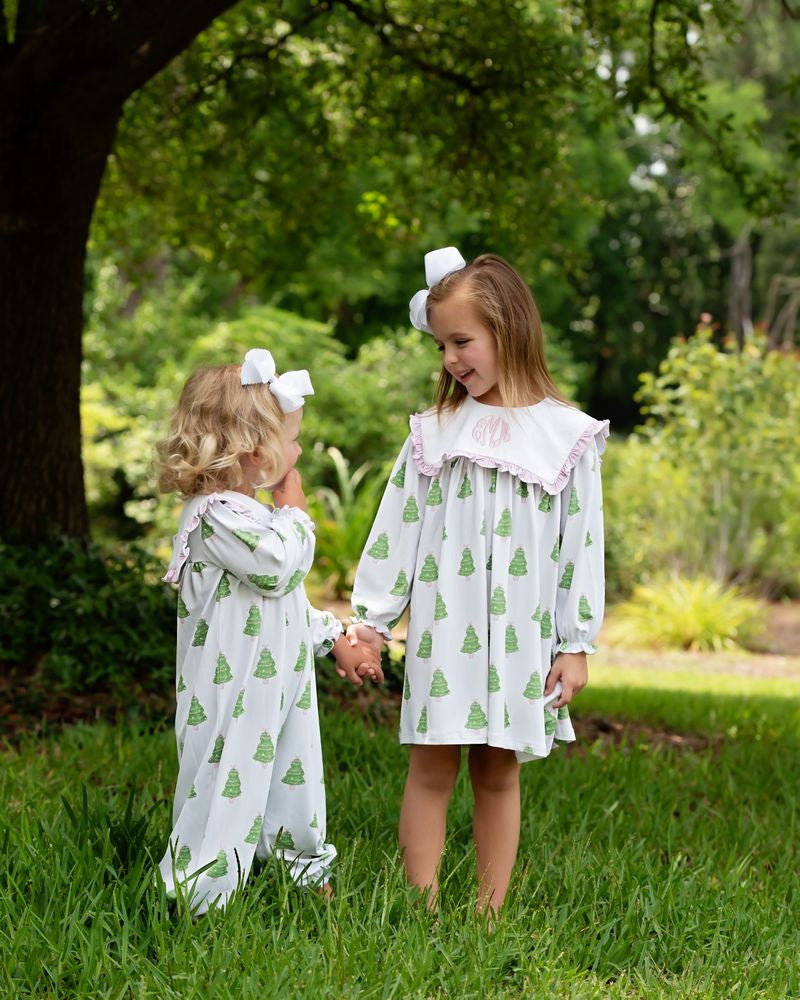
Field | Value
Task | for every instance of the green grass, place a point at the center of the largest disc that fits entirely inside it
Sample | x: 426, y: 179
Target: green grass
x: 644, y: 871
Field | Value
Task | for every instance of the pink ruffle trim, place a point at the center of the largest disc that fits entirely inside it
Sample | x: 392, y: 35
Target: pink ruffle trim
x: 173, y: 573
x: 596, y: 427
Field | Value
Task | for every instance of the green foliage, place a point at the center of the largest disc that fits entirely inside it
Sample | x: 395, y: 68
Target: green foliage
x: 720, y: 453
x: 674, y: 612
x: 87, y: 617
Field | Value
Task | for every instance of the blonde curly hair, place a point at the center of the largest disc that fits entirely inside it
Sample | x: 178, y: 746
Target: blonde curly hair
x: 216, y: 422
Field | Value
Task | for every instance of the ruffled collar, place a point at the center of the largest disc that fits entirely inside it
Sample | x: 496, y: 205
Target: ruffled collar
x: 538, y: 444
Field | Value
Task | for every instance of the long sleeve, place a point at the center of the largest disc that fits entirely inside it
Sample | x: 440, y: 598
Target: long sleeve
x: 385, y: 573
x: 580, y: 599
x: 325, y: 630
x: 270, y: 559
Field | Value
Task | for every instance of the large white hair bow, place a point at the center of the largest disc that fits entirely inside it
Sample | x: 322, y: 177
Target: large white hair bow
x: 288, y: 389
x: 438, y: 264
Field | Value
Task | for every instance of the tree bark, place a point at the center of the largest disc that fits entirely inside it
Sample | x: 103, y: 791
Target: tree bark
x: 63, y: 84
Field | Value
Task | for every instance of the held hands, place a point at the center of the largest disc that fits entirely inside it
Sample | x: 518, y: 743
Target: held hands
x: 355, y: 660
x: 571, y: 669
x: 366, y: 634
x: 289, y: 491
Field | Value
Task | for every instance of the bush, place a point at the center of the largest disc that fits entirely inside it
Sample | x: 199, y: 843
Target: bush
x: 88, y: 619
x: 678, y: 613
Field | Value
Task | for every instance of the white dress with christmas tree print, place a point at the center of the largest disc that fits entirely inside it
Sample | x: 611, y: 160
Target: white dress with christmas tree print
x: 491, y: 527
x: 250, y: 763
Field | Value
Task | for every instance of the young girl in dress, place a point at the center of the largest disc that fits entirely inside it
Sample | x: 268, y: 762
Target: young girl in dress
x: 491, y: 527
x: 250, y: 775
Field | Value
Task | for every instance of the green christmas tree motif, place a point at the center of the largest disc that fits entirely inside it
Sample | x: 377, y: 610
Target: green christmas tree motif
x: 422, y: 725
x: 547, y: 625
x: 302, y: 659
x: 294, y: 581
x: 305, y: 697
x: 444, y: 533
x: 301, y: 531
x: 471, y: 643
x: 497, y: 605
x: 563, y: 712
x: 522, y: 491
x: 489, y: 563
x: 250, y: 538
x: 467, y: 567
x: 238, y: 708
x: 406, y: 689
x: 223, y: 587
x: 380, y: 547
x: 196, y: 713
x: 192, y: 793
x: 549, y: 723
x: 361, y: 610
x: 254, y: 835
x: 252, y: 626
x: 200, y: 633
x: 566, y: 580
x: 284, y: 841
x: 223, y: 672
x: 466, y: 488
x: 198, y: 567
x: 546, y: 503
x: 294, y: 775
x: 519, y: 565
x: 206, y: 531
x: 183, y: 611
x: 265, y: 751
x: 400, y: 588
x: 181, y: 685
x: 394, y: 621
x: 494, y: 679
x: 483, y: 525
x: 537, y: 614
x: 233, y: 785
x: 399, y: 478
x: 512, y: 645
x: 588, y: 541
x: 506, y: 720
x: 439, y: 686
x: 584, y: 611
x: 434, y: 494
x: 574, y: 507
x: 216, y: 753
x: 314, y: 824
x: 476, y: 718
x: 220, y: 866
x: 493, y: 482
x: 265, y: 668
x: 555, y: 550
x: 183, y: 859
x: 503, y: 528
x: 410, y: 511
x: 440, y: 611
x: 429, y: 571
x: 263, y: 581
x: 533, y: 691
x: 425, y: 645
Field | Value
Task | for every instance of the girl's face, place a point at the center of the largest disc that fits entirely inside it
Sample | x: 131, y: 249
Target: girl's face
x: 253, y: 464
x: 290, y: 433
x: 468, y: 347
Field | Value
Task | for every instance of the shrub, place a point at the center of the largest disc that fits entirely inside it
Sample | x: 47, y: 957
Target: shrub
x: 674, y: 612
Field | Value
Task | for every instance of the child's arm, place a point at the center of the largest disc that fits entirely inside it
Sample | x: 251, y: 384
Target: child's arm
x: 270, y: 559
x: 580, y: 596
x: 385, y: 574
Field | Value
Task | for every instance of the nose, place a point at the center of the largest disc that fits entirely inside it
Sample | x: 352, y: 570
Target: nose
x: 450, y: 356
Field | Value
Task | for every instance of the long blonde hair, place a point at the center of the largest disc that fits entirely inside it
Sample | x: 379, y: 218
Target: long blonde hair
x: 505, y: 305
x: 216, y: 422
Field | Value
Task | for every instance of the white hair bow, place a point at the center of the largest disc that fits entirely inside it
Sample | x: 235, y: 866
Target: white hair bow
x: 438, y: 264
x: 288, y: 389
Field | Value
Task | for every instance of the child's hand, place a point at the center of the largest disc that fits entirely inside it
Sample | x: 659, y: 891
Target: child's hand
x: 289, y: 491
x: 572, y: 671
x: 356, y: 661
x: 364, y: 633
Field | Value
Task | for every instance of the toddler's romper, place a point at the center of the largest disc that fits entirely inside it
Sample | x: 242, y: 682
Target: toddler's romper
x: 250, y: 763
x: 491, y: 527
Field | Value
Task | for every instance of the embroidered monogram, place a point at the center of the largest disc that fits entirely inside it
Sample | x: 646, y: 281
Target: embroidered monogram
x: 492, y: 431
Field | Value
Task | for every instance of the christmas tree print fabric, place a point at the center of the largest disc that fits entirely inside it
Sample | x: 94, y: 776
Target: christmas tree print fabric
x: 516, y: 578
x: 246, y: 715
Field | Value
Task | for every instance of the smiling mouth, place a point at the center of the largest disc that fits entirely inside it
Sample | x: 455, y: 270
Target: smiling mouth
x: 465, y: 376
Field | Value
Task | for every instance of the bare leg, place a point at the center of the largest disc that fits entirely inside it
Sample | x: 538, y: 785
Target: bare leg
x: 494, y: 773
x: 432, y: 773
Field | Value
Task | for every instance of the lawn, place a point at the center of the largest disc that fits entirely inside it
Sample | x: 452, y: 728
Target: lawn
x: 661, y: 860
